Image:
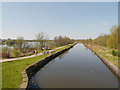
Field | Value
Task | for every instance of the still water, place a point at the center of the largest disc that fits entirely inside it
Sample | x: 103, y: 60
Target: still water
x: 76, y: 68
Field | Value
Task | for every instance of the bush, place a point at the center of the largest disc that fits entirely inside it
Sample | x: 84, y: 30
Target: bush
x: 118, y: 53
x: 114, y: 53
x: 16, y: 52
x: 5, y: 52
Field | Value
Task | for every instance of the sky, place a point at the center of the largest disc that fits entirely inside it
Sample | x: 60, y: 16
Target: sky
x: 77, y: 20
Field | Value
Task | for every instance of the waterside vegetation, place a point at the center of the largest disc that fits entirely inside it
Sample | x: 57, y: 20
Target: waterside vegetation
x: 21, y: 47
x: 12, y: 70
x: 107, y: 45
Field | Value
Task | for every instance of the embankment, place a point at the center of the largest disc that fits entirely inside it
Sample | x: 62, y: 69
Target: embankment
x: 29, y: 71
x: 110, y: 65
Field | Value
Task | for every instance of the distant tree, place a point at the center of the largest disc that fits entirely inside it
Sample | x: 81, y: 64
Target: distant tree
x: 56, y: 40
x: 51, y: 44
x: 89, y: 41
x: 10, y: 42
x: 113, y: 38
x: 5, y: 52
x: 102, y: 39
x: 20, y: 44
x: 119, y: 40
x: 41, y: 39
x: 60, y: 40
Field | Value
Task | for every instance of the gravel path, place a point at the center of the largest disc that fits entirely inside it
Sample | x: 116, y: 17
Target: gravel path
x: 105, y: 48
x: 13, y: 59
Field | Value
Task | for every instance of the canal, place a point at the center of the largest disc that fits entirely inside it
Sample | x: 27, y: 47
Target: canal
x: 77, y: 68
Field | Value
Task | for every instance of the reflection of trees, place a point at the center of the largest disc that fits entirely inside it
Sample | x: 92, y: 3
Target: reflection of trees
x: 62, y: 55
x: 46, y: 66
x: 52, y: 61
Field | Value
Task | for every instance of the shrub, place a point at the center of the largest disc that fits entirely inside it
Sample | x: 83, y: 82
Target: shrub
x: 114, y: 53
x: 118, y: 53
x: 5, y: 52
x: 16, y: 52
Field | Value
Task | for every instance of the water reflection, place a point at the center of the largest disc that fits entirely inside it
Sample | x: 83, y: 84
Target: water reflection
x: 47, y: 65
x: 78, y: 68
x: 52, y: 61
x: 62, y: 55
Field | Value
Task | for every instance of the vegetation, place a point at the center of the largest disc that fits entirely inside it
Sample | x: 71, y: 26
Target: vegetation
x: 107, y: 45
x: 114, y: 53
x: 51, y: 44
x: 20, y: 44
x: 16, y: 53
x: 21, y: 47
x: 62, y: 48
x: 41, y: 39
x: 12, y: 70
x: 60, y: 41
x: 106, y: 54
x: 10, y: 42
x: 109, y: 41
x: 5, y: 52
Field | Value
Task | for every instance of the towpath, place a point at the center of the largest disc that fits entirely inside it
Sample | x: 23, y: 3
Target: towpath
x: 19, y: 58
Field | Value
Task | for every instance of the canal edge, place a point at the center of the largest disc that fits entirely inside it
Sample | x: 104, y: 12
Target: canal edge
x: 110, y: 65
x: 31, y: 69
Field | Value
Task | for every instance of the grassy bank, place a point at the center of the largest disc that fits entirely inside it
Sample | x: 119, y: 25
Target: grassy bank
x: 11, y: 71
x: 106, y: 54
x: 61, y: 48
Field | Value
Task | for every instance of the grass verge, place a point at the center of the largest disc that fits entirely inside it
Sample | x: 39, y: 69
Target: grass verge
x: 106, y: 54
x: 11, y: 71
x: 62, y: 48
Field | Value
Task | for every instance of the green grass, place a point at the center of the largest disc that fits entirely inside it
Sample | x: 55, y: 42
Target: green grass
x: 108, y: 55
x: 61, y: 48
x: 11, y: 71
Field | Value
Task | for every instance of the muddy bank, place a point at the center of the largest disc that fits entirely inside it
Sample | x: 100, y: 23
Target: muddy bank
x: 29, y: 71
x: 110, y: 65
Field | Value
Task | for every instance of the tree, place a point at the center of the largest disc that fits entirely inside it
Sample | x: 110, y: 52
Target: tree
x: 20, y: 44
x: 10, y: 42
x: 51, y: 44
x: 56, y: 40
x: 60, y: 40
x: 41, y: 39
x: 113, y: 38
x: 102, y: 39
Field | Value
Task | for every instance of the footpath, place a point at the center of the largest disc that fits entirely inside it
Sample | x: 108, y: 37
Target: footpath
x: 19, y: 58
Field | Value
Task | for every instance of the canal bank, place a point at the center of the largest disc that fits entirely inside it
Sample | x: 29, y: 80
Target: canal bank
x: 110, y: 65
x: 78, y: 68
x: 29, y: 71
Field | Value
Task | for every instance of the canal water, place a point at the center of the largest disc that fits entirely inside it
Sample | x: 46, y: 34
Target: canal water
x: 77, y: 68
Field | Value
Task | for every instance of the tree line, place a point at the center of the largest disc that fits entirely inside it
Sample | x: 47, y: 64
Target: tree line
x: 111, y: 40
x: 21, y: 47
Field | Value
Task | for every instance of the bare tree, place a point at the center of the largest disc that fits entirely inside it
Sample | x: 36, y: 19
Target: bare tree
x: 20, y: 44
x: 51, y: 44
x: 60, y: 40
x: 41, y: 39
x: 56, y: 40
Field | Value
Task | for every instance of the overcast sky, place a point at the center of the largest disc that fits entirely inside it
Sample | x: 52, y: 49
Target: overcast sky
x: 76, y: 20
